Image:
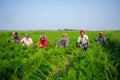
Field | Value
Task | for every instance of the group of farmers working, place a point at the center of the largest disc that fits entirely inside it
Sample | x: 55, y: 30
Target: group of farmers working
x: 82, y: 42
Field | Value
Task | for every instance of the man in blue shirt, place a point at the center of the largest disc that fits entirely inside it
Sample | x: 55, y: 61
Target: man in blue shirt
x: 16, y: 38
x: 101, y: 39
x: 63, y: 42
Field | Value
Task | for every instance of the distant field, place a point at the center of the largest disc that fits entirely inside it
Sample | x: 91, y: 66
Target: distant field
x: 71, y: 63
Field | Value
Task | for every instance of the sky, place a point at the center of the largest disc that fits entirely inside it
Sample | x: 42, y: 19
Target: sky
x: 59, y: 14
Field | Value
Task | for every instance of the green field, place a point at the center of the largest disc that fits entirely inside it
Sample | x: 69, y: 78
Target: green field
x: 18, y: 62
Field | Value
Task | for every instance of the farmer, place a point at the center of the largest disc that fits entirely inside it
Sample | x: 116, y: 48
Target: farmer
x: 101, y: 39
x: 83, y: 40
x: 43, y: 42
x: 16, y: 38
x: 63, y: 42
x: 26, y: 40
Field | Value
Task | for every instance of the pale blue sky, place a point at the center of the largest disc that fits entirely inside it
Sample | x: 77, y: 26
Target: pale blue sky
x: 59, y: 14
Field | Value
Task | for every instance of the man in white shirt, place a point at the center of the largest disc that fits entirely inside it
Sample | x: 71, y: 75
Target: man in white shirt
x: 83, y: 40
x: 26, y: 41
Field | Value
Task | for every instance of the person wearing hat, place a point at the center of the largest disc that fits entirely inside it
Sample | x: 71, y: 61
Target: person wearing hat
x: 63, y: 42
x: 101, y: 39
x: 43, y: 42
x: 26, y: 41
x: 83, y: 40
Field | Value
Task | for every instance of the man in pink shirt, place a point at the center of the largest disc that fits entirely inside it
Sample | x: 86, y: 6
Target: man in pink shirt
x: 26, y: 41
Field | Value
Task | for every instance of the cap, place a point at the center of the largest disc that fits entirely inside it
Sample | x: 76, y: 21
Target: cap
x: 82, y: 31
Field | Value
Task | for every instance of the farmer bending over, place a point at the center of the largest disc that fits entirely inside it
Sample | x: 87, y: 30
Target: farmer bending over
x: 101, y: 39
x: 63, y: 42
x: 83, y: 41
x: 43, y: 42
x: 26, y: 40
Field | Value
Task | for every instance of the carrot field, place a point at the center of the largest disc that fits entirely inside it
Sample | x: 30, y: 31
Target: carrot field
x: 99, y: 62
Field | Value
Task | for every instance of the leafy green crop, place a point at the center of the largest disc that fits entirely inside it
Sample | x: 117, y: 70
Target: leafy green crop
x: 19, y: 62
